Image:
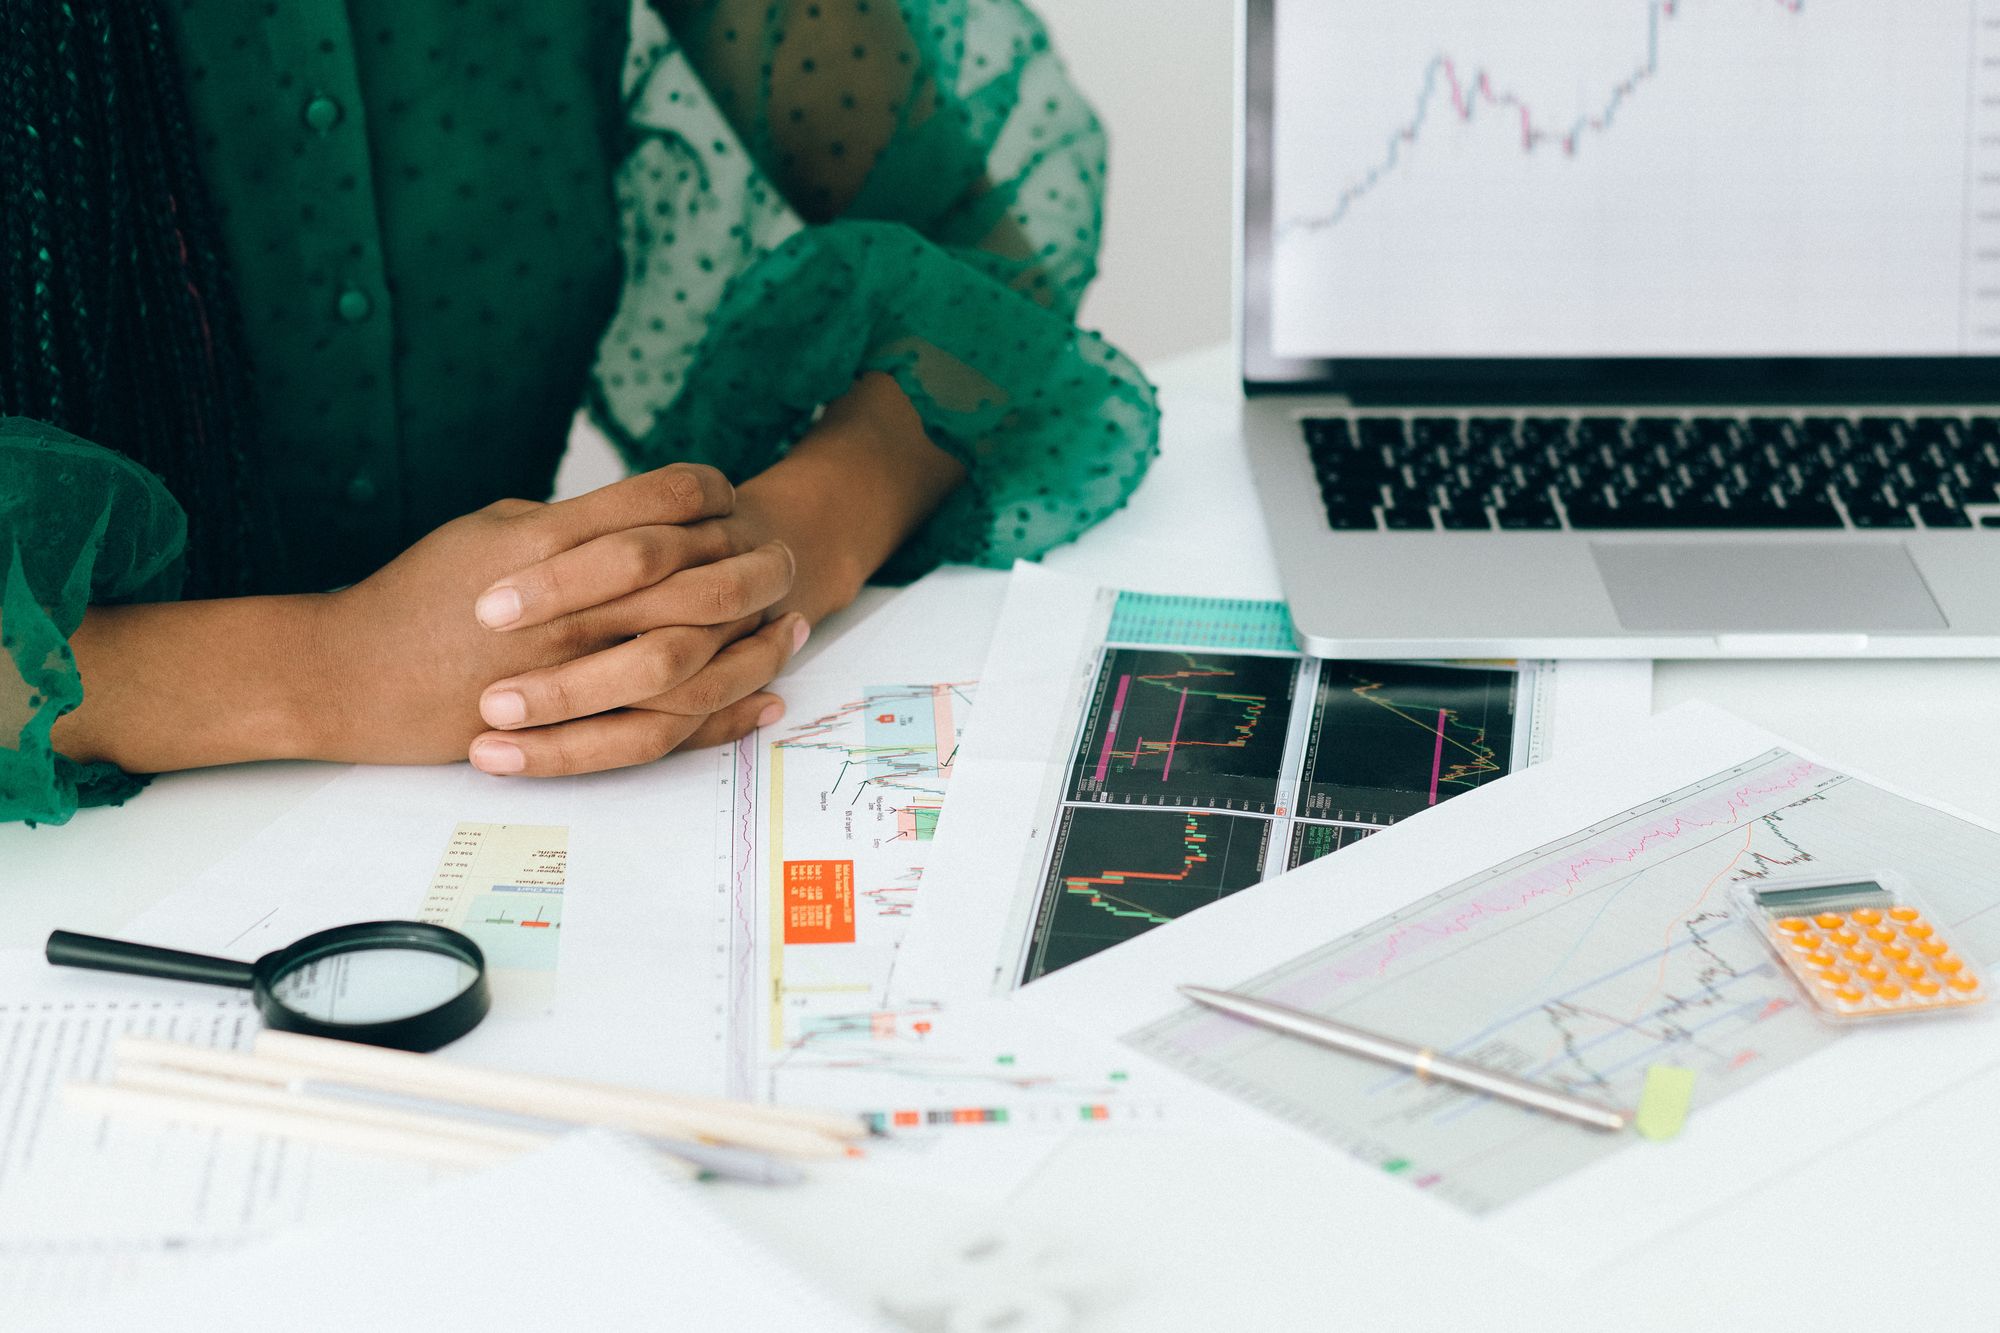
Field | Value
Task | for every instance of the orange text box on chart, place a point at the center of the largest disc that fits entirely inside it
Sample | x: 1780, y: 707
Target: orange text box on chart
x: 819, y: 902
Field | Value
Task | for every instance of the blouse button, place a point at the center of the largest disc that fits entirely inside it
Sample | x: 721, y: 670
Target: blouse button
x: 322, y: 114
x: 354, y: 305
x: 361, y: 489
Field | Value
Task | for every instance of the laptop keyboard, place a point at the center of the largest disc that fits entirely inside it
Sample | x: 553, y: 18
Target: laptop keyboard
x: 1478, y: 473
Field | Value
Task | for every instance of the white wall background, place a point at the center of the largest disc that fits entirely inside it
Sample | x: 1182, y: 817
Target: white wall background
x: 1161, y: 74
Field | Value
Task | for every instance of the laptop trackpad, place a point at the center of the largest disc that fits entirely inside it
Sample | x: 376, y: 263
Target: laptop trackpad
x: 1752, y: 587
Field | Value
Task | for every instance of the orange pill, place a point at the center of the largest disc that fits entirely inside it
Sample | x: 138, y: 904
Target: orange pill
x: 1845, y: 936
x: 1904, y: 913
x: 1850, y: 994
x: 1898, y: 952
x: 1948, y: 964
x: 1888, y: 990
x: 1792, y: 925
x: 1867, y: 916
x: 1860, y: 953
x: 1803, y: 943
x: 1910, y: 971
x: 1920, y: 930
x: 1964, y: 981
x: 1834, y: 976
x: 1821, y: 958
x: 1829, y: 920
x: 1881, y: 934
x: 1873, y: 972
x: 1933, y: 947
x: 1924, y: 986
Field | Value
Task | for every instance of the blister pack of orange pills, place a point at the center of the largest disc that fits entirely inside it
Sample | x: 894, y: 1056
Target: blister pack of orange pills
x: 1862, y: 948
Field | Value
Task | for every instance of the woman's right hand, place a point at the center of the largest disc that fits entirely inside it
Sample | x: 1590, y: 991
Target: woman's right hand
x: 670, y: 609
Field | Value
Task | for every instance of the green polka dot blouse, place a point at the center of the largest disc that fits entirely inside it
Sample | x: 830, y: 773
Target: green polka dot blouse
x: 453, y: 222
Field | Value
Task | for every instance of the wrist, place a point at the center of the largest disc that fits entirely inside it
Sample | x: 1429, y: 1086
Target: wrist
x: 159, y: 696
x: 310, y: 713
x: 854, y: 488
x: 781, y: 504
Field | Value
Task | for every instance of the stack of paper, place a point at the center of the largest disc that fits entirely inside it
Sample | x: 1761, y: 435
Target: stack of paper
x: 585, y: 1234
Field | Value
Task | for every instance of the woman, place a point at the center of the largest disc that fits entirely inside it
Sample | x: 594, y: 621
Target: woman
x: 329, y: 278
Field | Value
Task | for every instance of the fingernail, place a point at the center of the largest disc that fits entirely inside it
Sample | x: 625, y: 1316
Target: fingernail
x: 504, y: 709
x: 498, y: 757
x: 498, y: 608
x: 800, y: 633
x: 770, y: 715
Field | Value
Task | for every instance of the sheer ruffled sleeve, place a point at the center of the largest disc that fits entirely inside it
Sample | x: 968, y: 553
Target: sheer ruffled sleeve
x: 822, y: 189
x: 78, y: 524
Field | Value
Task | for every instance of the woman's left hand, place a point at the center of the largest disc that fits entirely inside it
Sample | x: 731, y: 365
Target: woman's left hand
x: 690, y: 675
x: 798, y: 541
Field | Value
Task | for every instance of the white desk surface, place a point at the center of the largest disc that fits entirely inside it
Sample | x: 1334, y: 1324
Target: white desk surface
x: 1198, y: 1233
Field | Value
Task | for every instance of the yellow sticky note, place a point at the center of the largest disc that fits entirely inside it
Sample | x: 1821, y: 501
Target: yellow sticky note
x: 1663, y: 1105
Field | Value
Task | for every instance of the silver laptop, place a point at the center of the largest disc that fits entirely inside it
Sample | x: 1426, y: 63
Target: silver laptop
x: 1640, y: 333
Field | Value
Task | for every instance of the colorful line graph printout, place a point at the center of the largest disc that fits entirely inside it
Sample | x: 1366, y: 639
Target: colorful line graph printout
x: 848, y: 801
x: 1580, y: 964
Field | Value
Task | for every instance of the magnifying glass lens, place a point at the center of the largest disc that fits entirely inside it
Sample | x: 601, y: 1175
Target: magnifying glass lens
x: 372, y: 984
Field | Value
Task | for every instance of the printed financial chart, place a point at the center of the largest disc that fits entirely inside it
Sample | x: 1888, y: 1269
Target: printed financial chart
x: 1579, y: 964
x: 829, y: 823
x: 502, y: 885
x: 925, y: 1068
x: 825, y: 826
x: 1633, y: 177
x: 1201, y: 770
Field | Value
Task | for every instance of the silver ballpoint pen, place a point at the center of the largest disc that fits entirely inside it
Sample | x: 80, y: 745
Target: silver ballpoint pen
x: 1419, y: 1060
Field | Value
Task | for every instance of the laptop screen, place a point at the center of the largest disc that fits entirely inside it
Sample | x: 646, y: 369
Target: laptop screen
x: 1554, y: 184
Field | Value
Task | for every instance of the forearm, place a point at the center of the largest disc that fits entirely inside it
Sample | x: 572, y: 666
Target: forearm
x: 175, y: 685
x: 860, y: 483
x: 190, y: 684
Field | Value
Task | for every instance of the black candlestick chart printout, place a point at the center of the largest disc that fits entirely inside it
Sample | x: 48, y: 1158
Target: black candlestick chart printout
x: 1117, y: 874
x: 1207, y: 765
x: 1181, y: 729
x: 1390, y: 739
x: 1580, y: 964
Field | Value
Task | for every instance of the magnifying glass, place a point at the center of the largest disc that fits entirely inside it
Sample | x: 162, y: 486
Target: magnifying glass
x: 406, y: 984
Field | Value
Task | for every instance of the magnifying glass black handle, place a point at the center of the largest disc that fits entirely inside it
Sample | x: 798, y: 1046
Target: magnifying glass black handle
x: 66, y: 948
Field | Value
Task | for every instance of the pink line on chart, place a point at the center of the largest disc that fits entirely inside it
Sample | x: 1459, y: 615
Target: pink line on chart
x: 1375, y: 958
x: 1174, y: 739
x: 1437, y: 759
x: 1111, y: 732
